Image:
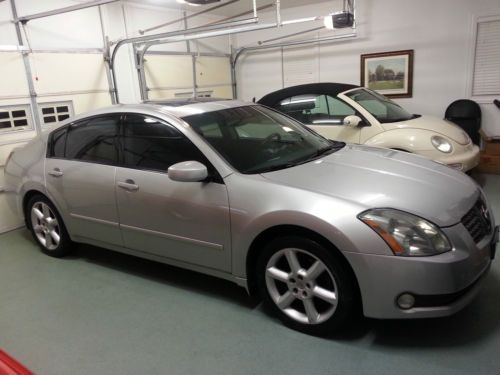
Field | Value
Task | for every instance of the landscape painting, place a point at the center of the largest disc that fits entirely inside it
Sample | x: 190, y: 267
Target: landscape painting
x: 389, y: 73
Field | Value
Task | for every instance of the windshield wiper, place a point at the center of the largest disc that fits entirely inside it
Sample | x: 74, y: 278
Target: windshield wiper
x: 325, y: 151
x: 335, y: 146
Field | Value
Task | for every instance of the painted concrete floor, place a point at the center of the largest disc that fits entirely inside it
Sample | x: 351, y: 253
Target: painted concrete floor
x: 100, y: 312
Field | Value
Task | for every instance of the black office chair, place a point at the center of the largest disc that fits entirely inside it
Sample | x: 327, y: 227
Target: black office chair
x: 466, y: 114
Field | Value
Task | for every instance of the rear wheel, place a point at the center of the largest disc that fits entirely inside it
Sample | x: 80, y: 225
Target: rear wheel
x: 306, y: 285
x: 47, y: 227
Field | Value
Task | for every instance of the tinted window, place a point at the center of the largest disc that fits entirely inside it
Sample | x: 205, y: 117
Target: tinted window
x: 58, y: 143
x: 151, y: 144
x: 256, y: 139
x: 93, y: 140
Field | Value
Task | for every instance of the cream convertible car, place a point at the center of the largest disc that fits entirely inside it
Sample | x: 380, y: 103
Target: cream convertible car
x: 357, y: 115
x: 240, y: 191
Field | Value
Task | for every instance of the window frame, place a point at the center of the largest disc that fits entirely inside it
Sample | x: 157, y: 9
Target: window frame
x: 42, y: 106
x: 214, y: 175
x: 16, y: 129
x: 50, y: 143
x: 476, y: 19
x: 364, y: 122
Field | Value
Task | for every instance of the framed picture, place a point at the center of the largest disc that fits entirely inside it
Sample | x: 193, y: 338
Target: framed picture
x: 389, y: 73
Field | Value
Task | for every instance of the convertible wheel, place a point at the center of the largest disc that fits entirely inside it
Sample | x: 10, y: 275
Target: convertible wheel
x: 47, y: 227
x: 306, y: 286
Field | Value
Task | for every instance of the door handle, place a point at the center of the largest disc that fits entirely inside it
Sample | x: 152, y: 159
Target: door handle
x: 128, y: 185
x: 56, y: 172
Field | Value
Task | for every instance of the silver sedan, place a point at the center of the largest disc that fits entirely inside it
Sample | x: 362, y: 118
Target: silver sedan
x: 319, y: 229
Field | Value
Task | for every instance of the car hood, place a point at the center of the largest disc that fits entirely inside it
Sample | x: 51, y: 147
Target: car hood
x: 435, y: 124
x: 376, y: 177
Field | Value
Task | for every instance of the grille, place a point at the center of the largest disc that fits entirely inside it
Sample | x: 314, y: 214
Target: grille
x: 477, y: 221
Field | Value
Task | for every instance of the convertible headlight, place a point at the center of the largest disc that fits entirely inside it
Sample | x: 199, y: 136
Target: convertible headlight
x: 406, y: 234
x: 442, y: 144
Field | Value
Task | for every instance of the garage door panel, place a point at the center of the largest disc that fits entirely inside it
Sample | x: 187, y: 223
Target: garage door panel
x: 65, y: 72
x: 81, y: 102
x: 213, y: 70
x: 13, y: 75
x: 168, y: 71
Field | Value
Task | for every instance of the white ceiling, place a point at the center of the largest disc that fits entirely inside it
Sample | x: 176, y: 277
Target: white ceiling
x: 232, y: 9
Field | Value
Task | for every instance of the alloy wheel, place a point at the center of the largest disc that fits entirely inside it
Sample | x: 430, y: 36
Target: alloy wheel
x: 45, y: 225
x: 301, y: 286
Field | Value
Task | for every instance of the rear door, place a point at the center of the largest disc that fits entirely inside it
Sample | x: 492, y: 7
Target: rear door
x: 80, y: 177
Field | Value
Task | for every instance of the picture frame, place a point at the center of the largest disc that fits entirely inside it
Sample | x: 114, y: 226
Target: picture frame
x: 388, y: 73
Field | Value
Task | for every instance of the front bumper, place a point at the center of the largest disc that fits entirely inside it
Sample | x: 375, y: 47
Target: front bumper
x: 463, y: 158
x: 442, y: 284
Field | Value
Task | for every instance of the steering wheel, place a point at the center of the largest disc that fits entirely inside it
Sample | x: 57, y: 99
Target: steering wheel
x: 273, y: 137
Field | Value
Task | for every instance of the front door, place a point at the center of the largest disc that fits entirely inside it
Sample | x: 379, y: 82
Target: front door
x: 184, y: 221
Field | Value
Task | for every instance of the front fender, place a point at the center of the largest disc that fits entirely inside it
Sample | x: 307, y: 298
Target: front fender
x: 411, y: 140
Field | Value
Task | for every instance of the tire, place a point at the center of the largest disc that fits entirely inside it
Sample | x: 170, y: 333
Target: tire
x: 47, y: 227
x: 306, y: 286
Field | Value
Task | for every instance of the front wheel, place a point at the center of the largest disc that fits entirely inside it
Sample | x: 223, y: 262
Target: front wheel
x: 47, y: 227
x: 306, y: 285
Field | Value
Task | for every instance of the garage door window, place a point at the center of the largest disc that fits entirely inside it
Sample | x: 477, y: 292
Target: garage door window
x: 56, y: 112
x: 15, y: 118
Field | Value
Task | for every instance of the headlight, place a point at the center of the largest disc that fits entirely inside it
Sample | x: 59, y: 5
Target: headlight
x: 441, y: 144
x: 406, y: 234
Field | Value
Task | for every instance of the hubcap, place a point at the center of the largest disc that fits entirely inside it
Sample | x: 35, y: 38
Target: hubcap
x: 301, y: 286
x: 45, y: 225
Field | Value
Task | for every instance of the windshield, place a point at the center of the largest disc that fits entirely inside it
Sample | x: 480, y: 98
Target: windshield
x: 382, y: 108
x: 255, y: 139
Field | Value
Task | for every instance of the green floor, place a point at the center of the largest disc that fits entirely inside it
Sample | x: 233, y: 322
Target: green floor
x: 99, y: 312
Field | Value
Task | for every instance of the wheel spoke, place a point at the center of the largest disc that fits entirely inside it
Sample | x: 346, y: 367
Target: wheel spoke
x: 38, y: 213
x: 277, y: 274
x: 293, y: 262
x: 55, y: 236
x: 52, y: 222
x: 285, y: 300
x: 325, y: 294
x: 46, y: 211
x: 315, y: 270
x: 311, y: 312
x: 48, y: 240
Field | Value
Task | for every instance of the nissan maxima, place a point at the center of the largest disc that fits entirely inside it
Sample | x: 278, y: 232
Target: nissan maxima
x: 318, y: 229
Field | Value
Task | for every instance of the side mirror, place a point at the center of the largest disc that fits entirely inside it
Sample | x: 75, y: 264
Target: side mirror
x: 352, y: 120
x: 188, y: 171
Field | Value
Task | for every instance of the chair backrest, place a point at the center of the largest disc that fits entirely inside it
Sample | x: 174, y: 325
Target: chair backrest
x: 466, y: 114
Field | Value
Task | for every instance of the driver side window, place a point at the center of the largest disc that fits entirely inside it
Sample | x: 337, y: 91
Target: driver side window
x: 316, y: 109
x: 151, y: 144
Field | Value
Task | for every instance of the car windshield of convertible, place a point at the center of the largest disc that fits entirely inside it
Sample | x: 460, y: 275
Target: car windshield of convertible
x: 381, y: 107
x: 255, y: 139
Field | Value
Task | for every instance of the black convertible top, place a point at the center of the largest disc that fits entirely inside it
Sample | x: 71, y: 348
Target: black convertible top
x: 311, y: 88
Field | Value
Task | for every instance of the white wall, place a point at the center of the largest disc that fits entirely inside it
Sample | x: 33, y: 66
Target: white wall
x: 78, y: 76
x: 438, y: 31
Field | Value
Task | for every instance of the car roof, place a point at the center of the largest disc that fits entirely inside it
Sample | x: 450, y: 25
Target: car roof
x: 177, y: 102
x: 174, y: 107
x: 330, y: 88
